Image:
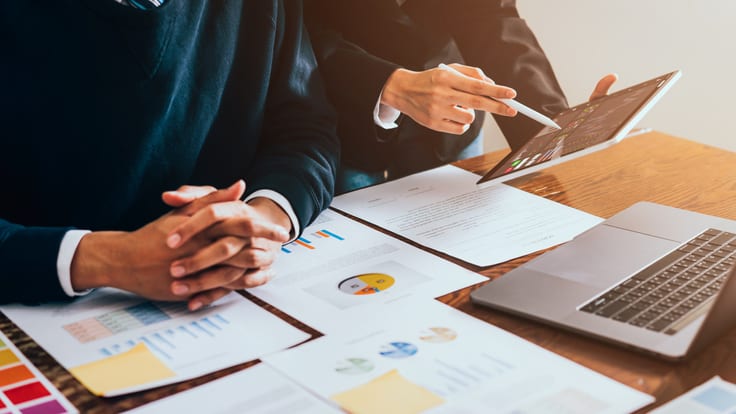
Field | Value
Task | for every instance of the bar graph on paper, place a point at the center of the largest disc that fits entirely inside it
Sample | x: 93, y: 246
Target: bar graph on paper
x: 312, y: 241
x: 169, y: 329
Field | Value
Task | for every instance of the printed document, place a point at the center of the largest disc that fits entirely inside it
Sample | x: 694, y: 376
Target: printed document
x: 256, y: 390
x: 339, y: 272
x: 711, y: 397
x: 445, y: 210
x: 114, y: 342
x: 428, y: 357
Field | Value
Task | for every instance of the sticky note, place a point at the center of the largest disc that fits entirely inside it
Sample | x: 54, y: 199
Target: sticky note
x: 131, y: 368
x: 387, y: 394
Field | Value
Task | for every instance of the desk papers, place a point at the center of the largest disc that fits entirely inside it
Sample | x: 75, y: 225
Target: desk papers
x: 428, y: 357
x: 445, y: 210
x: 340, y: 272
x: 114, y: 342
x: 711, y: 397
x: 256, y: 390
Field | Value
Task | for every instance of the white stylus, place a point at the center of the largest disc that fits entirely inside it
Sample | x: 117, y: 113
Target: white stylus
x: 518, y: 106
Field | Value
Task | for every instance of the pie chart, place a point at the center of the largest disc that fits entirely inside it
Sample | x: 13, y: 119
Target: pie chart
x: 354, y: 366
x: 438, y: 335
x: 366, y: 284
x: 398, y: 350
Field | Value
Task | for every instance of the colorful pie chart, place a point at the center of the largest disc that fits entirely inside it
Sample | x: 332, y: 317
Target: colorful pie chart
x: 398, y: 350
x: 366, y: 284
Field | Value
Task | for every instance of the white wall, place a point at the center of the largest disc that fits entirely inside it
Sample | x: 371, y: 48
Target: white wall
x: 640, y: 39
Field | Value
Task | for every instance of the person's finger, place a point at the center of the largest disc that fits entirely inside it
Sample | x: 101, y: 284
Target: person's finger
x: 250, y: 257
x: 471, y: 71
x: 212, y: 278
x: 232, y: 193
x: 603, y: 86
x: 252, y: 278
x: 481, y: 87
x: 211, y: 255
x: 206, y: 298
x: 247, y: 227
x: 481, y: 103
x: 186, y: 194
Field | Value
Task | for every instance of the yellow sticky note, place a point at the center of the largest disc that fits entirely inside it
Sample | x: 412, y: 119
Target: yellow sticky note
x: 131, y: 368
x: 387, y: 394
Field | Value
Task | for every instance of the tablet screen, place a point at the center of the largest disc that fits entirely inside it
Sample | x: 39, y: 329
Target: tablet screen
x: 583, y: 126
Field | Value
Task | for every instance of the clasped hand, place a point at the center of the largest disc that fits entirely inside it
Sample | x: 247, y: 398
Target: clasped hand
x: 211, y: 243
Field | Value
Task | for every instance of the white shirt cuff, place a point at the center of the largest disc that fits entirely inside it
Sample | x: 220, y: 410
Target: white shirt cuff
x: 385, y: 116
x: 284, y: 204
x: 64, y: 261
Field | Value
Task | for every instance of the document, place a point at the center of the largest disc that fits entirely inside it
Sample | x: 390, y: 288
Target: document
x: 23, y: 389
x: 711, y: 397
x: 256, y: 390
x: 427, y: 357
x: 340, y: 271
x: 445, y: 210
x: 114, y: 342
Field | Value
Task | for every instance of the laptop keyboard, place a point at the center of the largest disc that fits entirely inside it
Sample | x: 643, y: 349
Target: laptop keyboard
x: 663, y: 296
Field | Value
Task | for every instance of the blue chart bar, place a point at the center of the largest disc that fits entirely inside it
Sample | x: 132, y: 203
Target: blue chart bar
x: 148, y: 313
x: 285, y: 250
x: 302, y: 239
x: 331, y: 234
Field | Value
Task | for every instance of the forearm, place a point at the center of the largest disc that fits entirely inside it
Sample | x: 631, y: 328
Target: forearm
x: 97, y: 260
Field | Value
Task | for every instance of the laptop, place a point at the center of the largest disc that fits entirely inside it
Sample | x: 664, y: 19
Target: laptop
x: 653, y: 278
x: 586, y: 128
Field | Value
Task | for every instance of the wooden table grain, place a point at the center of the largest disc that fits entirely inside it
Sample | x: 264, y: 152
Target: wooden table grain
x: 651, y: 167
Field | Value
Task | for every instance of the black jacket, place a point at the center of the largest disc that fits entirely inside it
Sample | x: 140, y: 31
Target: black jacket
x: 359, y: 43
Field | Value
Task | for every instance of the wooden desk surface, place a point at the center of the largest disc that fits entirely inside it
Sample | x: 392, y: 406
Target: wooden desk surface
x: 651, y: 167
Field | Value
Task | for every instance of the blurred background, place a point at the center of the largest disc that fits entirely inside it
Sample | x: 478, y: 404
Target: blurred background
x: 640, y: 39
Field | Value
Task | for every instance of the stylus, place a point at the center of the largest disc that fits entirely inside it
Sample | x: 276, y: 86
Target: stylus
x: 518, y: 106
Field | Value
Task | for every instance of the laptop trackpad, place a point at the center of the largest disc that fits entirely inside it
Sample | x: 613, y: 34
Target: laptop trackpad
x: 602, y: 256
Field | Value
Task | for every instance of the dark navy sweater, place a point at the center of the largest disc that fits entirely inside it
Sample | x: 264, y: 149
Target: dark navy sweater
x: 103, y: 107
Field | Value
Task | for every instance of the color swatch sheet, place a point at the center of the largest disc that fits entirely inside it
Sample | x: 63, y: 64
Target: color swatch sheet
x: 485, y: 224
x: 23, y: 389
x: 711, y: 397
x: 256, y: 390
x: 114, y: 342
x: 428, y: 357
x: 340, y: 271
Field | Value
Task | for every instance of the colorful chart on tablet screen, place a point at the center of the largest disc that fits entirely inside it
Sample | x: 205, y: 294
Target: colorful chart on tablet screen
x: 366, y: 284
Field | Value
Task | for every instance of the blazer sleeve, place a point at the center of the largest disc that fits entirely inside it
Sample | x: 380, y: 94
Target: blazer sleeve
x: 299, y: 152
x: 354, y: 78
x: 491, y: 35
x: 28, y: 263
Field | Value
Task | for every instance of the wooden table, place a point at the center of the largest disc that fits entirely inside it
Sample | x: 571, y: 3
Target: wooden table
x: 651, y: 167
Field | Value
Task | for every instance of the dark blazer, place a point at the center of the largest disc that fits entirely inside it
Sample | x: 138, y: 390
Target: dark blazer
x: 103, y: 107
x: 359, y: 43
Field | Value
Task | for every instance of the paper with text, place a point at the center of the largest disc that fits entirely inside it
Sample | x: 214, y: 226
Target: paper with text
x: 445, y: 210
x: 115, y: 342
x: 711, y: 397
x: 339, y: 272
x: 457, y: 363
x: 256, y: 390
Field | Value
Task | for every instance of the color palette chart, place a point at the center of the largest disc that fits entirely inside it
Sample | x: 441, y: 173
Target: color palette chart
x: 23, y: 389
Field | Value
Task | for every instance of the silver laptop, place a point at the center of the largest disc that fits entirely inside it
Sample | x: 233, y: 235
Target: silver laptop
x: 654, y: 278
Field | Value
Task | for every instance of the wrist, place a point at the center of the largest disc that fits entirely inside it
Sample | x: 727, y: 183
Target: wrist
x: 96, y: 261
x: 272, y: 212
x: 394, y: 88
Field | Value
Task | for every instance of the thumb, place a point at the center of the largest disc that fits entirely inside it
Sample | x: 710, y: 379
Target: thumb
x: 232, y: 193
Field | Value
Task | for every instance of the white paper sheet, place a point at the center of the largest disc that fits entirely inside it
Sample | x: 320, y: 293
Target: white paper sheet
x: 445, y: 210
x: 428, y: 357
x: 711, y: 397
x: 340, y: 271
x: 256, y: 390
x: 23, y: 389
x: 145, y: 344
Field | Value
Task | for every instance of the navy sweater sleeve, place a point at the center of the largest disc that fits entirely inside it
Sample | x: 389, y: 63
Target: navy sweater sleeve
x: 298, y: 152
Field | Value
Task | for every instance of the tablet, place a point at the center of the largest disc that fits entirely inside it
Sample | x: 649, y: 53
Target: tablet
x: 586, y: 128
